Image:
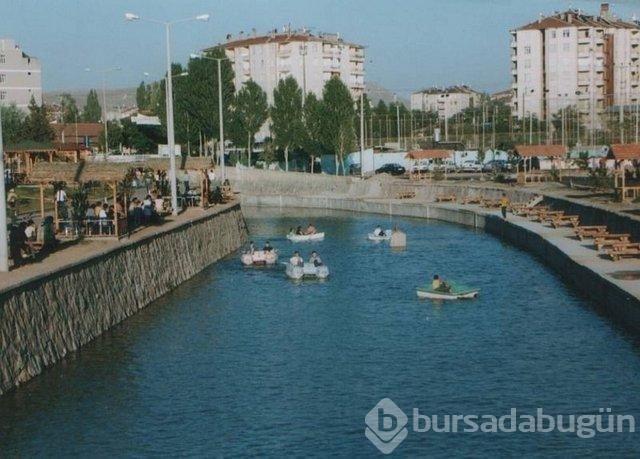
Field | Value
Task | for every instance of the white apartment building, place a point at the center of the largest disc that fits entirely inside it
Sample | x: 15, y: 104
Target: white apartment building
x: 591, y: 62
x: 311, y: 59
x: 445, y: 101
x: 20, y: 76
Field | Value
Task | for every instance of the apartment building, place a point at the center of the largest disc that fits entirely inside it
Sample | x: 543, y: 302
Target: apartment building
x: 311, y: 59
x: 571, y: 58
x: 445, y: 101
x: 20, y: 76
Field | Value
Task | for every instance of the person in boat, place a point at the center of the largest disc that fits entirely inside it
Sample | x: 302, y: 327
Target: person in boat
x: 439, y: 285
x: 299, y: 231
x: 296, y: 259
x: 379, y: 231
x: 252, y: 247
x: 315, y: 259
x: 267, y: 247
x: 311, y: 229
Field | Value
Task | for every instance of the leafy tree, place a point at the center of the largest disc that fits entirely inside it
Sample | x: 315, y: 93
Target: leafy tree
x: 251, y: 111
x: 70, y: 112
x: 12, y: 119
x: 313, y: 123
x: 143, y: 96
x: 92, y: 112
x: 338, y: 133
x: 36, y: 125
x: 286, y: 116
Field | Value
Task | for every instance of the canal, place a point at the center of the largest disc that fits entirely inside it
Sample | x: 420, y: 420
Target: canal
x: 242, y: 362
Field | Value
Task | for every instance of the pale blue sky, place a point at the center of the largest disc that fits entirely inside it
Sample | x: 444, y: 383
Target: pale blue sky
x: 411, y: 44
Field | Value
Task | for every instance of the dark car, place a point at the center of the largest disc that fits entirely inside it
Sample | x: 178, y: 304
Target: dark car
x: 497, y: 165
x: 391, y: 168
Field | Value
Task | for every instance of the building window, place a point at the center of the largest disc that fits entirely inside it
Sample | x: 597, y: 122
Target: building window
x: 566, y: 33
x: 3, y: 95
x: 3, y: 77
x: 527, y: 49
x: 553, y: 34
x: 2, y: 59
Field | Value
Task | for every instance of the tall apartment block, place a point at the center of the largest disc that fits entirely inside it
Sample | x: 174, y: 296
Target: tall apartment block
x: 591, y: 62
x: 20, y: 76
x: 311, y: 59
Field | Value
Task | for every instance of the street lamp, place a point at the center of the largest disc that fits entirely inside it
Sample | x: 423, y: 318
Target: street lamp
x: 220, y: 121
x: 169, y: 101
x: 104, y: 102
x: 4, y: 254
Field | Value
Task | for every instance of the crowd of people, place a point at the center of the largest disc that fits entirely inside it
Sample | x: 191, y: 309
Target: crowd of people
x: 26, y: 240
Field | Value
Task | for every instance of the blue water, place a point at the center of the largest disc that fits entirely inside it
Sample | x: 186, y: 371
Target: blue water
x: 242, y: 362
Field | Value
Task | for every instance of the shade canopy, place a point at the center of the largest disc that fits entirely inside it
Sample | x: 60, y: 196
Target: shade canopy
x: 554, y: 151
x: 428, y: 154
x: 622, y: 151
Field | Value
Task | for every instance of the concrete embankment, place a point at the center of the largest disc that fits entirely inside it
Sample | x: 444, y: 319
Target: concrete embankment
x: 47, y: 316
x: 612, y: 286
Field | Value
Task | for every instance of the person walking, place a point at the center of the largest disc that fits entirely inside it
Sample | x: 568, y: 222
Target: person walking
x: 504, y: 203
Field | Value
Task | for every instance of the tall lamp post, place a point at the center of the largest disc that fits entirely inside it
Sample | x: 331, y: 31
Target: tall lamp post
x: 220, y: 120
x: 169, y: 101
x: 104, y: 102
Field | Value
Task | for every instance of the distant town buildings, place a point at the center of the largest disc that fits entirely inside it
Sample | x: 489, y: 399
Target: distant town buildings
x: 445, y: 101
x: 311, y: 59
x: 591, y: 62
x: 20, y: 76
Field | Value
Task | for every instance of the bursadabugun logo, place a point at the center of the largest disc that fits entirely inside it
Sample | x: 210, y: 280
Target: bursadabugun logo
x: 386, y: 425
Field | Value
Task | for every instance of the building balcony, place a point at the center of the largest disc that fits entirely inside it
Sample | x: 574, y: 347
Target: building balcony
x: 514, y: 44
x: 356, y: 71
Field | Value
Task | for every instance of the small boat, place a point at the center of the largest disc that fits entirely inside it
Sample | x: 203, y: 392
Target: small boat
x: 386, y: 236
x: 259, y: 258
x: 305, y: 237
x: 456, y: 293
x: 306, y: 271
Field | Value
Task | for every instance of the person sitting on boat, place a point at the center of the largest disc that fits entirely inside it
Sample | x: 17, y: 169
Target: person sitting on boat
x: 299, y: 231
x: 267, y: 247
x: 311, y: 229
x: 296, y: 259
x: 315, y: 259
x: 379, y: 231
x: 252, y: 247
x: 438, y: 284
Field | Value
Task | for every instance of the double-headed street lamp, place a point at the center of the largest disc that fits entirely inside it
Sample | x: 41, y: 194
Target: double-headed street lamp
x: 218, y: 59
x: 104, y: 102
x: 169, y: 100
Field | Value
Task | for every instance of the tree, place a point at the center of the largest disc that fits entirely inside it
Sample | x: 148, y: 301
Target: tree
x: 338, y: 133
x: 313, y: 123
x: 251, y: 111
x: 143, y: 96
x: 286, y: 116
x: 92, y: 112
x: 36, y: 125
x: 69, y: 108
x: 12, y: 119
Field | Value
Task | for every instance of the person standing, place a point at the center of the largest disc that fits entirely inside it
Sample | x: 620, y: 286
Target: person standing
x: 504, y: 203
x: 61, y: 200
x: 12, y: 202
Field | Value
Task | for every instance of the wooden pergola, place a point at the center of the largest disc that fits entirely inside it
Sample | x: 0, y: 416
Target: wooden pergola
x: 429, y: 154
x: 528, y: 152
x: 110, y: 173
x: 624, y: 152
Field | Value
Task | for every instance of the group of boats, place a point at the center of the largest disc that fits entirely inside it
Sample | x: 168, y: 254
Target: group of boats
x: 297, y: 269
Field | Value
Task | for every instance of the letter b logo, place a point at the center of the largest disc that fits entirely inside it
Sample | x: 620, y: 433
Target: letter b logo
x: 386, y: 426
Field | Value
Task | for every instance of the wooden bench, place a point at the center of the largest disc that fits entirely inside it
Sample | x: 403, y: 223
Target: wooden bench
x: 584, y: 232
x: 547, y: 215
x: 611, y: 240
x: 406, y: 194
x: 446, y: 198
x: 532, y: 211
x: 472, y: 200
x: 490, y: 203
x: 560, y: 220
x: 630, y: 249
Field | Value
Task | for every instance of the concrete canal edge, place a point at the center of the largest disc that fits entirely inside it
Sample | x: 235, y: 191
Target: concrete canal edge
x: 44, y: 319
x: 609, y: 297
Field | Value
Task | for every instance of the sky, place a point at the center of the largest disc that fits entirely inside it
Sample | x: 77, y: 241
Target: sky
x: 410, y: 44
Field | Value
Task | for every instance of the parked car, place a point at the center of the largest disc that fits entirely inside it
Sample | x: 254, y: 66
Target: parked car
x: 471, y: 166
x: 391, y: 168
x: 497, y: 165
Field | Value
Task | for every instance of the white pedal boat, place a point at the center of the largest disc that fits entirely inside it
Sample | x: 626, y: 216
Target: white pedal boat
x: 259, y: 258
x: 456, y: 293
x: 386, y: 237
x: 305, y: 237
x: 307, y: 271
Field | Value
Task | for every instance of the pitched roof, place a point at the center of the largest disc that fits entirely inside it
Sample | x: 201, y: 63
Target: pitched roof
x: 83, y: 129
x: 625, y: 151
x: 540, y: 150
x: 428, y: 154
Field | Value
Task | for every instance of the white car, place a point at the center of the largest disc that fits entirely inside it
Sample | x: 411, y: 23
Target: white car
x: 471, y: 166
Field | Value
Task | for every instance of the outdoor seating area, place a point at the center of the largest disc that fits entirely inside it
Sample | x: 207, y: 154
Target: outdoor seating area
x: 407, y: 194
x: 446, y: 198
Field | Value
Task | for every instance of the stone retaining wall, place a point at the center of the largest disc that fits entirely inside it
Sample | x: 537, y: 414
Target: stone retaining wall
x: 44, y: 319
